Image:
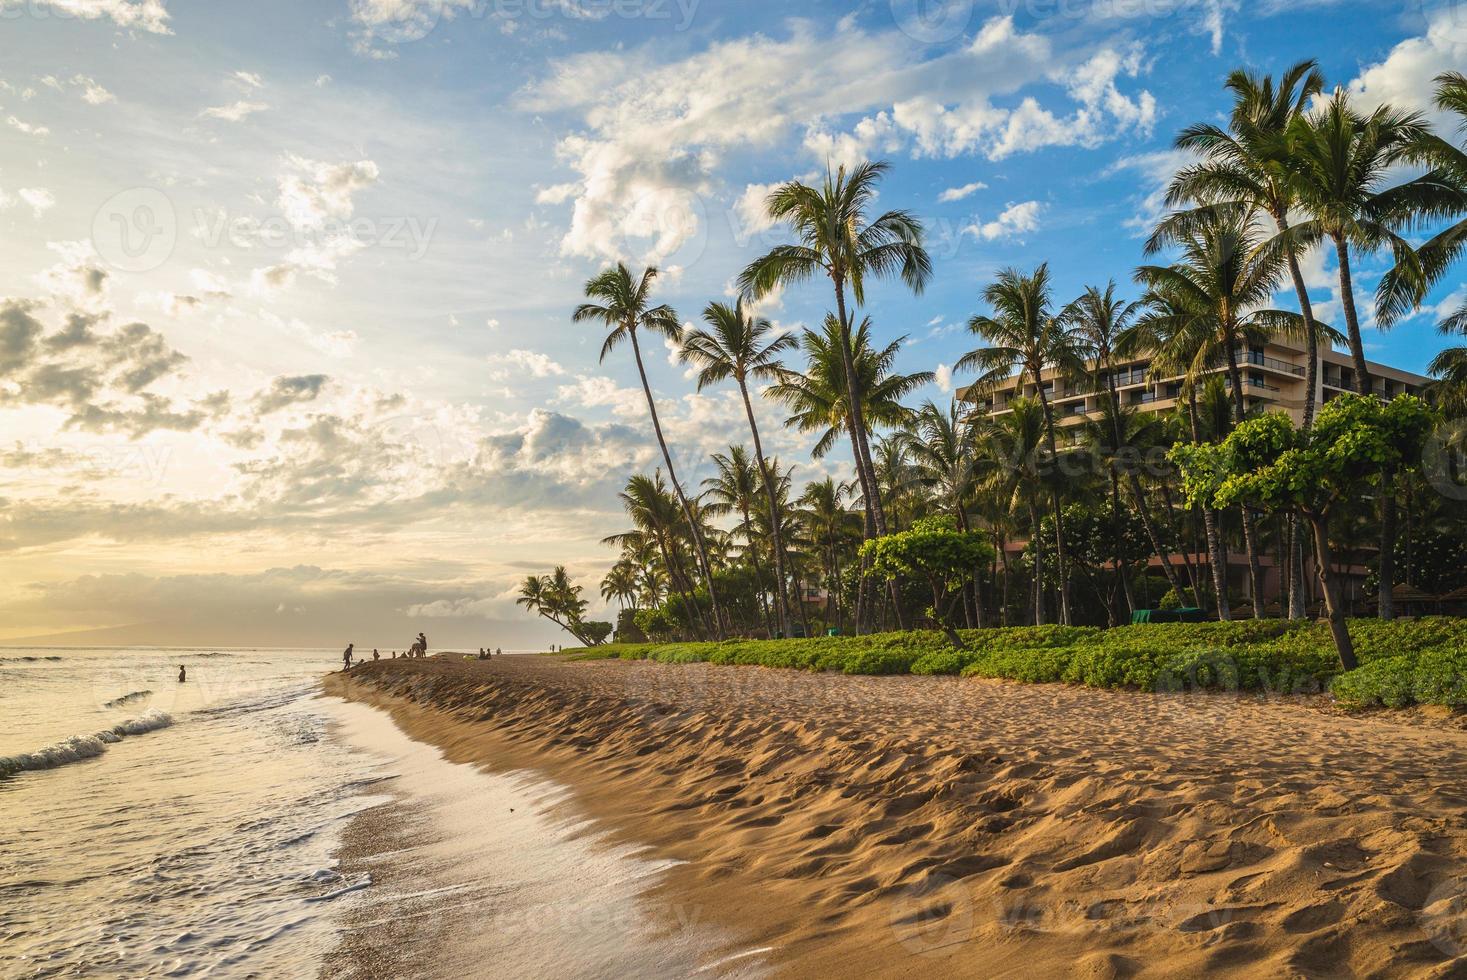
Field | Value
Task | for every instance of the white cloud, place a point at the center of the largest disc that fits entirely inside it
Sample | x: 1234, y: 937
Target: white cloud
x: 20, y: 125
x: 590, y: 391
x: 655, y: 134
x: 234, y: 111
x: 519, y: 362
x: 247, y: 79
x: 312, y: 192
x: 1015, y: 220
x: 958, y: 193
x: 144, y: 15
x: 943, y: 378
x: 1405, y: 78
x: 39, y: 199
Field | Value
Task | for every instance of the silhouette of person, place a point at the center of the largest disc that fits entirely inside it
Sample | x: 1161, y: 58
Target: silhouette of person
x: 182, y: 674
x: 346, y: 656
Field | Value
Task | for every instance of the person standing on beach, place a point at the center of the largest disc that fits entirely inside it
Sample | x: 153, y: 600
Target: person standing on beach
x: 182, y: 674
x: 346, y: 657
x: 375, y: 654
x: 422, y: 644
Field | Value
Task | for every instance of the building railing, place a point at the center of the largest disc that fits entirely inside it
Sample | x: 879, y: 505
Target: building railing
x: 1262, y: 360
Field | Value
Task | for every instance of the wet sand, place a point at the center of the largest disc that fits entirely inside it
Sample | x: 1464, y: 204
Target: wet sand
x: 909, y: 826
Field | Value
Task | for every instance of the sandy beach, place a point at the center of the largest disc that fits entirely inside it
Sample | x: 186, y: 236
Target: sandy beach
x: 906, y: 826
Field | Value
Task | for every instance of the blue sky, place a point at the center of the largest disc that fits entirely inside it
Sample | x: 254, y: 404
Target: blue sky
x: 357, y: 375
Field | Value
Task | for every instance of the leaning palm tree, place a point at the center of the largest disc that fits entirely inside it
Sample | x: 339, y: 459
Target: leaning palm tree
x: 742, y: 346
x: 625, y: 306
x: 1217, y: 291
x: 1025, y: 336
x: 836, y: 240
x: 655, y: 516
x: 1249, y: 166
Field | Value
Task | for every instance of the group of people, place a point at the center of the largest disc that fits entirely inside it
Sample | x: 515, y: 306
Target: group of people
x: 485, y: 653
x: 417, y: 650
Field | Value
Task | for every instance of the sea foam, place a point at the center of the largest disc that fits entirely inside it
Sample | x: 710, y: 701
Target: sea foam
x: 79, y: 747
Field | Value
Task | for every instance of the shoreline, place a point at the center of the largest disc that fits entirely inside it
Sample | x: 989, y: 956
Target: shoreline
x: 903, y: 824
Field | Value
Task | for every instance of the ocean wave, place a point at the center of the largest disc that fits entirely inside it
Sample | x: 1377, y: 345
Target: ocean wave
x: 127, y: 699
x: 79, y: 747
x: 25, y: 660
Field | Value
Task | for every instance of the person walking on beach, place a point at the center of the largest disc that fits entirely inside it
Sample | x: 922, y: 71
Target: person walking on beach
x: 182, y: 674
x: 422, y: 644
x: 346, y: 657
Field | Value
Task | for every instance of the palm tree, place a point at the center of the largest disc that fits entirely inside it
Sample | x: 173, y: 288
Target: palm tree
x: 1104, y: 322
x: 1217, y: 291
x: 625, y: 306
x: 833, y: 529
x: 1024, y: 335
x: 621, y: 584
x: 944, y: 460
x: 1015, y: 441
x: 557, y: 599
x: 739, y: 345
x: 1250, y: 167
x: 735, y: 488
x: 835, y: 239
x: 819, y: 398
x: 655, y: 515
x: 1341, y: 158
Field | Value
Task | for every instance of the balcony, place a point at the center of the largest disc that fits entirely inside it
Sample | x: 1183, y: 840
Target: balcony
x: 1272, y: 363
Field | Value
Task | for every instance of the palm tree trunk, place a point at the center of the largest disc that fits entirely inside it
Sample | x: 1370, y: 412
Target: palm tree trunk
x: 1115, y: 520
x: 1311, y: 328
x: 758, y: 569
x: 782, y: 591
x: 858, y: 412
x: 707, y: 569
x: 1060, y: 563
x: 1352, y: 320
x: 1036, y: 545
x: 1003, y: 557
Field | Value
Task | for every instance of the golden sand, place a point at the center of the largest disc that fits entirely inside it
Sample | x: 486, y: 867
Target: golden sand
x: 910, y: 826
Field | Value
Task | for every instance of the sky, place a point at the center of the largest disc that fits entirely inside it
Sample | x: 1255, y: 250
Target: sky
x: 286, y: 355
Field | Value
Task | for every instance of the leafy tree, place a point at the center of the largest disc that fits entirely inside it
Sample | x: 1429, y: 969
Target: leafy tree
x: 1269, y: 464
x: 936, y: 552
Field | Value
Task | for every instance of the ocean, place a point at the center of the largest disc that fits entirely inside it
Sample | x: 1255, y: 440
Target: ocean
x: 151, y: 828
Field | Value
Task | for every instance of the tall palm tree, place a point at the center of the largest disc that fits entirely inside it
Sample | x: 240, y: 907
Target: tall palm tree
x: 621, y: 585
x: 625, y: 305
x: 1341, y: 160
x: 1025, y: 335
x: 1216, y: 292
x: 1250, y: 166
x: 834, y: 238
x: 742, y: 346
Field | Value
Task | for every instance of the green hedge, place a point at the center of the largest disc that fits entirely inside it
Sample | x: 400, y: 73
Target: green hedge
x: 1403, y: 662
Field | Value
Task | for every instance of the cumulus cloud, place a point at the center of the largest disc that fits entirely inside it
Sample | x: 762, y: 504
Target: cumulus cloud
x: 1405, y: 78
x: 311, y: 193
x: 518, y: 363
x: 1015, y: 220
x: 95, y: 373
x: 29, y: 129
x: 654, y: 135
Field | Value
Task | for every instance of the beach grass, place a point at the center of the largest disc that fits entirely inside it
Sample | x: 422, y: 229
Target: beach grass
x: 1403, y: 662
